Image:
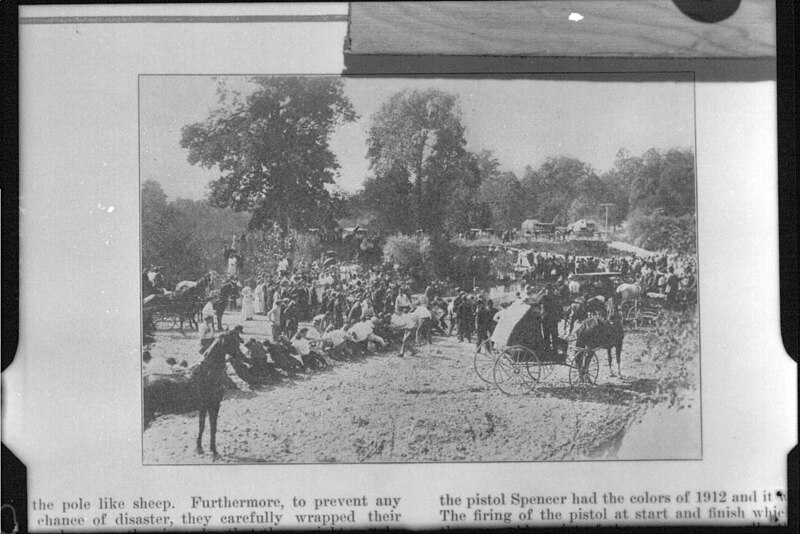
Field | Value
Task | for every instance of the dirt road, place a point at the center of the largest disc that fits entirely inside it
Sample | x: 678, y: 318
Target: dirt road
x: 431, y: 407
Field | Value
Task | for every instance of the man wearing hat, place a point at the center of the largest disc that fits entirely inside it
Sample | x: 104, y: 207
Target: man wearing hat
x: 484, y: 321
x: 453, y: 309
x: 466, y: 316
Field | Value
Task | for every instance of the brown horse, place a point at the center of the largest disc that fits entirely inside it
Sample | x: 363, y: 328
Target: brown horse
x: 596, y: 332
x: 202, y: 388
x: 188, y: 303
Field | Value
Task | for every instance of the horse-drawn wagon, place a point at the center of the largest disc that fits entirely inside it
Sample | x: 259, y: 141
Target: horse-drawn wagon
x: 172, y: 310
x: 644, y: 311
x: 516, y: 358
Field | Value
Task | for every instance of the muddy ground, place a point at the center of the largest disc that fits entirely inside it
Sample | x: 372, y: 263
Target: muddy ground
x: 431, y: 407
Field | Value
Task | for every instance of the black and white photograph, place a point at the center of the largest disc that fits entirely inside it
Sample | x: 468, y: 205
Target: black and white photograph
x: 418, y: 269
x: 410, y: 265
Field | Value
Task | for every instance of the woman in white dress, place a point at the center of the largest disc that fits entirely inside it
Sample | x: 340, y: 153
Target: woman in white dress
x: 247, y: 303
x: 260, y: 304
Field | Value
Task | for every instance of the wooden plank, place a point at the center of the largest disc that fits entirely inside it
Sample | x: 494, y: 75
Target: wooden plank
x: 607, y: 29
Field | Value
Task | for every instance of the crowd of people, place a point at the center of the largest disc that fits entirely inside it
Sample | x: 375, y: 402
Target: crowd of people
x: 331, y: 309
x: 672, y: 275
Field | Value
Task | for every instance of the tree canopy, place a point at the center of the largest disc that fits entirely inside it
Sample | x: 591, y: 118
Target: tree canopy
x: 272, y: 149
x: 419, y: 133
x: 185, y: 236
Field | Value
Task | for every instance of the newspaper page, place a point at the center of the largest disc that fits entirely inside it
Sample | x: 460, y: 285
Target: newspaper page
x: 257, y: 294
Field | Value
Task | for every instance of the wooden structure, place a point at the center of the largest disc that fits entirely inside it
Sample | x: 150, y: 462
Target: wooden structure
x: 560, y: 36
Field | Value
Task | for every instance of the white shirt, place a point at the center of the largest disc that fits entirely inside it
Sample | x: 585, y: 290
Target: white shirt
x: 422, y: 312
x: 302, y: 346
x: 361, y: 331
x: 337, y: 337
x: 206, y: 331
x: 274, y: 315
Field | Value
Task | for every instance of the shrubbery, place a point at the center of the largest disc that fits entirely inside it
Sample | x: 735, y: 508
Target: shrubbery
x: 660, y: 232
x: 409, y: 253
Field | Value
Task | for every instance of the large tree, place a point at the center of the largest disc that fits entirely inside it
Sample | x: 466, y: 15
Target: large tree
x: 167, y: 236
x: 655, y: 181
x: 556, y: 184
x: 508, y: 201
x: 211, y: 230
x: 388, y: 197
x: 271, y: 148
x: 420, y: 132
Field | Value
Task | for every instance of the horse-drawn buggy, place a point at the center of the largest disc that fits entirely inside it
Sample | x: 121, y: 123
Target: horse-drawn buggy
x: 644, y: 310
x: 173, y: 310
x: 516, y: 358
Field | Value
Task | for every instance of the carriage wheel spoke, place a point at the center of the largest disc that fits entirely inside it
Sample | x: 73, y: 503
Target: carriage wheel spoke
x: 584, y: 369
x: 511, y: 371
x: 483, y: 361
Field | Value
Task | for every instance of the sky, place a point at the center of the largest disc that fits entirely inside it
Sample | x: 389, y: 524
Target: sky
x: 522, y: 121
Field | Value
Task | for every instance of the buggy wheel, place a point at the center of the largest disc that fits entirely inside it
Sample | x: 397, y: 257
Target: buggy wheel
x: 546, y: 368
x: 484, y: 359
x: 516, y: 371
x: 633, y: 318
x: 584, y: 368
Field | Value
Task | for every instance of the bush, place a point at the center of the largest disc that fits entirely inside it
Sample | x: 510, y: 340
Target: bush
x: 661, y: 232
x: 411, y: 254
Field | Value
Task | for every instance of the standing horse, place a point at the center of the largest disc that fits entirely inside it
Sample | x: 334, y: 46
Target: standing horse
x: 202, y: 388
x: 596, y: 332
x: 188, y: 303
x: 209, y: 381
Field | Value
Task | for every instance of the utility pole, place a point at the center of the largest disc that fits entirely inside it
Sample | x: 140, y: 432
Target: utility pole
x: 606, y: 206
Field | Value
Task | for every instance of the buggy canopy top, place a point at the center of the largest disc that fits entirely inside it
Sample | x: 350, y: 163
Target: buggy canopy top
x: 519, y: 324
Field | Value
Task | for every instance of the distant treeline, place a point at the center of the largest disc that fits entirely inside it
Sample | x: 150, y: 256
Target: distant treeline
x: 271, y: 148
